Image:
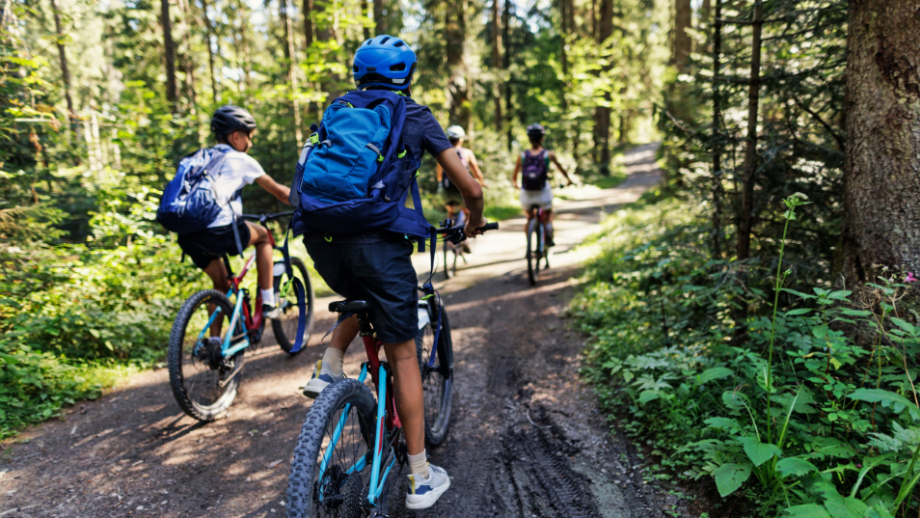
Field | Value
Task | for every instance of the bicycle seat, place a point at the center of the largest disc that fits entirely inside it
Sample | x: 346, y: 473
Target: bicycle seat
x: 350, y: 306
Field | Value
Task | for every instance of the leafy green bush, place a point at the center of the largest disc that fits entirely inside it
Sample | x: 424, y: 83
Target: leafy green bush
x: 808, y: 415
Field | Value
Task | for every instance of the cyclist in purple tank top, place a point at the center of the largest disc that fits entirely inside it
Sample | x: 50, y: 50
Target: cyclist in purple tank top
x: 533, y: 166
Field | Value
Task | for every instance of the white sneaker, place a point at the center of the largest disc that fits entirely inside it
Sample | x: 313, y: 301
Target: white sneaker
x: 423, y: 493
x: 322, y: 378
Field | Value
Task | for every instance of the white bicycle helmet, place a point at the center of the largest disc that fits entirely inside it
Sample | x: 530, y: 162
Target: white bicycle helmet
x: 455, y: 132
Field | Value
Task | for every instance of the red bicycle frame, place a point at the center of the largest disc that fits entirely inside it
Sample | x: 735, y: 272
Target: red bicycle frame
x: 252, y: 321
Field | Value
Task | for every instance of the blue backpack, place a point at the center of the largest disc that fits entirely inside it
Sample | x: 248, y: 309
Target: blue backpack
x: 189, y: 203
x: 354, y: 174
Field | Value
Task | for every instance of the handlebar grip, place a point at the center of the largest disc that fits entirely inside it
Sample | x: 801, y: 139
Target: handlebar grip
x: 489, y: 226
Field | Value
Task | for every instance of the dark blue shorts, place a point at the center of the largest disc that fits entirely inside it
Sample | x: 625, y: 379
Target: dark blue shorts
x: 381, y: 273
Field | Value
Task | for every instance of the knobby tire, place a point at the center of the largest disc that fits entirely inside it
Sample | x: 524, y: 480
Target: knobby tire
x: 179, y: 355
x: 356, y: 440
x: 437, y: 381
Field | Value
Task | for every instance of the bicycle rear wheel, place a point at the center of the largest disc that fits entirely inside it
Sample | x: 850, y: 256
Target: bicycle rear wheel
x: 534, y: 250
x: 319, y: 482
x: 437, y: 380
x: 203, y: 382
x: 285, y: 328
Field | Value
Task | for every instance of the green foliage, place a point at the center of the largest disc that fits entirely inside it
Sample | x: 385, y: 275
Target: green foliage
x: 808, y: 417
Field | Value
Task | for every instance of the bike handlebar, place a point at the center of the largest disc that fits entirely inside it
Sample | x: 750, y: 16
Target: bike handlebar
x: 262, y: 218
x: 455, y: 234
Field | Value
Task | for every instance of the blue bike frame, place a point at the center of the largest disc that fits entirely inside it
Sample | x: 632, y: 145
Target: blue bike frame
x: 377, y: 482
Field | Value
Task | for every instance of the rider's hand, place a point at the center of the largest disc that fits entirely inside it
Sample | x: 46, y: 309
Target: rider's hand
x: 517, y: 186
x: 472, y: 226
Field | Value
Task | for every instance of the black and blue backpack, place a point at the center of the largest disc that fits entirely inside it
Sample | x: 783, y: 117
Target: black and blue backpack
x: 354, y: 174
x: 189, y: 203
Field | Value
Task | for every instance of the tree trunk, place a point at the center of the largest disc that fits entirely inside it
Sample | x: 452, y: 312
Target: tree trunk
x: 506, y: 64
x: 602, y: 112
x: 882, y: 169
x: 563, y: 54
x: 209, y: 30
x: 170, y: 53
x: 379, y: 19
x: 324, y: 33
x: 746, y: 213
x: 497, y: 64
x: 244, y: 46
x: 188, y: 59
x: 62, y: 54
x: 716, y: 242
x: 746, y: 217
x: 457, y: 84
x: 289, y: 56
x: 683, y: 20
x: 307, y: 24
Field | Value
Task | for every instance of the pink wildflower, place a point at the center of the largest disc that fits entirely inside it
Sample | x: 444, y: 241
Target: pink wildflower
x: 910, y: 277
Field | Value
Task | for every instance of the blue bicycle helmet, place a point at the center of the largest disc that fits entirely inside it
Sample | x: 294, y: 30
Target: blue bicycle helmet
x: 384, y: 61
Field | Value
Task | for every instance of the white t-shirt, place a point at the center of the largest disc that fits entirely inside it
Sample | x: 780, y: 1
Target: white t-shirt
x: 237, y: 171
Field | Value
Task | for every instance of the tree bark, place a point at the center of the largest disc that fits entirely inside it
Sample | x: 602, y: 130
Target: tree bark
x: 683, y: 20
x: 457, y: 84
x: 602, y: 112
x: 62, y: 54
x: 882, y: 168
x: 716, y: 242
x: 506, y: 65
x: 497, y: 64
x: 188, y: 59
x: 323, y: 33
x: 290, y: 55
x: 369, y: 7
x: 307, y: 24
x: 170, y: 54
x: 209, y: 31
x: 379, y: 18
x: 246, y: 65
x: 746, y: 216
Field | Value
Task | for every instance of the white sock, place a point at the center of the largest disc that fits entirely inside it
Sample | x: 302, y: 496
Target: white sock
x: 268, y: 296
x: 334, y: 358
x: 418, y: 465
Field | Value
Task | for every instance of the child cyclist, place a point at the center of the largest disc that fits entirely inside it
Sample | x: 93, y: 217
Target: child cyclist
x: 449, y: 192
x: 535, y: 187
x: 377, y: 267
x: 234, y: 127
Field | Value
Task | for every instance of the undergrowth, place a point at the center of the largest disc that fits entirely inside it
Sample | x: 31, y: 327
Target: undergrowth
x: 814, y: 414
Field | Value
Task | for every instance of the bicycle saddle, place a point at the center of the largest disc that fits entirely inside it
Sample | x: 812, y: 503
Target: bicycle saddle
x: 350, y: 306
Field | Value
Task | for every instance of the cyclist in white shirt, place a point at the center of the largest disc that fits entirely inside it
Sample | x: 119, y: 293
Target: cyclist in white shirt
x: 234, y: 127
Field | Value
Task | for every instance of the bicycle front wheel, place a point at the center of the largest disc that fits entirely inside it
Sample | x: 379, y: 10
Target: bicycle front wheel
x: 336, y: 444
x: 202, y: 380
x: 285, y: 328
x: 436, y: 366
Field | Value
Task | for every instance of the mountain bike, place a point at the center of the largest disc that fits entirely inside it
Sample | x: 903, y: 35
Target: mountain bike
x: 350, y: 442
x: 212, y: 333
x: 537, y: 251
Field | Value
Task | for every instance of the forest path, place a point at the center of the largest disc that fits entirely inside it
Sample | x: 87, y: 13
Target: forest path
x: 526, y: 439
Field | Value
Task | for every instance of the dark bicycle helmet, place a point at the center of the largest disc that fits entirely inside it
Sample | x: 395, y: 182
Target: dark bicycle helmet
x: 536, y: 130
x: 384, y: 61
x: 229, y: 118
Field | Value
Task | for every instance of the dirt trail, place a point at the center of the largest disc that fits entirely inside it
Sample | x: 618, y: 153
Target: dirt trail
x: 526, y: 439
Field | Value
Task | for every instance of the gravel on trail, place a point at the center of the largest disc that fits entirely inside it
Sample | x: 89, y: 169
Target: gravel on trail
x: 526, y: 438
